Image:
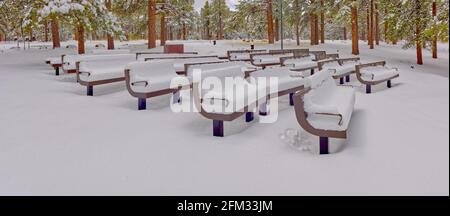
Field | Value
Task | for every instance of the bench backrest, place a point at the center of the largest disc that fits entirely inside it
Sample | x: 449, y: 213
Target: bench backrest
x: 219, y: 70
x: 94, y: 63
x: 151, y: 68
x: 115, y: 51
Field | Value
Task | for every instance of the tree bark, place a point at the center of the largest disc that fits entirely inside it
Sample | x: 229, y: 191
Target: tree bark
x: 184, y: 32
x: 377, y: 28
x: 81, y: 49
x: 163, y: 28
x: 345, y: 33
x: 368, y: 23
x: 55, y: 33
x: 434, y: 41
x: 418, y: 33
x: 385, y: 28
x: 371, y: 26
x: 355, y: 45
x: 151, y: 24
x: 46, y: 31
x: 269, y: 22
x: 297, y: 24
x: 322, y: 24
x: 277, y: 29
x: 109, y: 36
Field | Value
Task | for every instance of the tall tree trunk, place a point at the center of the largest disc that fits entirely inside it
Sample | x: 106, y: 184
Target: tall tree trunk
x: 418, y: 33
x: 1, y: 37
x: 208, y: 33
x: 322, y: 24
x: 151, y: 24
x: 434, y: 41
x: 355, y: 45
x: 377, y: 28
x: 81, y: 49
x: 368, y: 22
x: 109, y: 37
x: 371, y: 26
x: 277, y: 29
x: 46, y: 31
x: 297, y: 24
x: 385, y: 28
x: 345, y: 33
x: 162, y: 29
x: 55, y: 33
x: 184, y: 32
x: 269, y: 21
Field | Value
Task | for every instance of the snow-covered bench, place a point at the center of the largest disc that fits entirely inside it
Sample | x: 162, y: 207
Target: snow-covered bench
x: 340, y: 68
x: 102, y: 69
x: 268, y: 59
x: 109, y: 52
x: 242, y: 55
x: 151, y: 54
x: 227, y: 103
x: 56, y: 63
x: 300, y: 63
x: 324, y: 109
x: 150, y: 79
x: 180, y: 61
x: 70, y: 61
x: 375, y: 73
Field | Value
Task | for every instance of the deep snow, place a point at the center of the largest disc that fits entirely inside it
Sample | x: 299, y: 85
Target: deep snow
x: 54, y: 140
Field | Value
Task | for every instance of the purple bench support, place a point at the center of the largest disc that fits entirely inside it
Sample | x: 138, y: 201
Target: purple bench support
x: 142, y: 103
x: 291, y: 99
x: 263, y: 109
x: 324, y: 145
x: 90, y: 90
x: 249, y: 116
x: 217, y: 128
x: 341, y: 80
x: 57, y: 71
x: 347, y: 78
x: 368, y: 89
x: 389, y: 84
x: 312, y: 71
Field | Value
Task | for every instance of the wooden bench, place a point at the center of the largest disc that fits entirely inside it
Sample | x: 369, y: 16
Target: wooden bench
x: 251, y: 97
x: 274, y: 57
x: 150, y: 54
x: 101, y: 69
x: 324, y: 109
x: 242, y: 55
x: 375, y: 73
x: 340, y: 68
x: 180, y: 61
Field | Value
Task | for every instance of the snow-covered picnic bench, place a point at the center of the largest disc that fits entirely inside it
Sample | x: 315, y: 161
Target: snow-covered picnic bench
x: 340, y: 68
x: 242, y: 55
x: 300, y: 63
x: 145, y: 54
x: 180, y: 61
x: 375, y: 73
x: 230, y: 104
x: 101, y: 69
x: 324, y: 109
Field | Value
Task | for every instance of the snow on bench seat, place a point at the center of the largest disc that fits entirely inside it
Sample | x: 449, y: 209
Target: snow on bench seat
x: 324, y: 109
x: 69, y: 61
x: 242, y: 55
x: 102, y: 69
x: 340, y: 68
x: 267, y: 59
x: 375, y: 73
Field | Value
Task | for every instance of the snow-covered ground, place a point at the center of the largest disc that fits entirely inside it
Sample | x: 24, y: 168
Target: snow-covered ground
x: 54, y: 140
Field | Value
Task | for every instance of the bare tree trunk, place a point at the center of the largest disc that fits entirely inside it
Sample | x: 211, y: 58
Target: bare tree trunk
x: 81, y: 49
x: 322, y: 24
x: 377, y: 28
x: 55, y: 33
x: 434, y: 41
x: 277, y: 29
x: 418, y: 33
x: 371, y: 26
x: 355, y: 45
x: 151, y: 24
x: 46, y: 31
x: 269, y: 21
x: 163, y: 29
x: 345, y: 33
x: 385, y: 28
x: 368, y: 23
x: 109, y: 37
x: 184, y: 32
x: 297, y: 24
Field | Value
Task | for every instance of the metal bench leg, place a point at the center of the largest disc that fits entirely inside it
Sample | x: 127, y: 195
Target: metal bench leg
x: 57, y: 71
x: 324, y: 145
x: 217, y: 128
x: 176, y: 97
x: 249, y: 116
x: 347, y: 78
x: 312, y: 71
x: 341, y: 80
x: 142, y: 103
x: 90, y: 91
x: 291, y: 99
x: 263, y: 109
x: 368, y: 89
x: 389, y: 84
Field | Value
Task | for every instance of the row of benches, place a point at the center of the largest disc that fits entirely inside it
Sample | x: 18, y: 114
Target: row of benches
x: 322, y: 108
